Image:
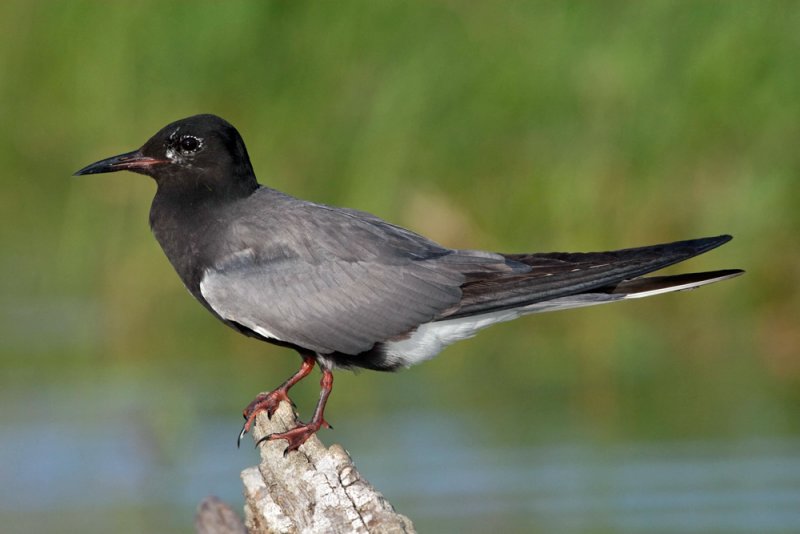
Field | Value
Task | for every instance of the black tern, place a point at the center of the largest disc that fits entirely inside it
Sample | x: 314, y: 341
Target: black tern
x: 344, y: 288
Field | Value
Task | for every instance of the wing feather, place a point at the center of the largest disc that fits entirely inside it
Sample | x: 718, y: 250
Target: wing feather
x: 341, y: 281
x: 559, y: 274
x: 334, y: 280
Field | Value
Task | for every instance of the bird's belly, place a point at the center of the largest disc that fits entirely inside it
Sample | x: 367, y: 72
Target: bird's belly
x: 430, y: 338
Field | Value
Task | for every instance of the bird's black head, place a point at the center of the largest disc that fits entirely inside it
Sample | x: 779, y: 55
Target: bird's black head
x: 199, y: 152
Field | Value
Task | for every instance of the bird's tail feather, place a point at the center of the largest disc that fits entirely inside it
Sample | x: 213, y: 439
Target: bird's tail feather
x: 427, y: 340
x: 556, y: 278
x: 656, y: 285
x: 632, y: 289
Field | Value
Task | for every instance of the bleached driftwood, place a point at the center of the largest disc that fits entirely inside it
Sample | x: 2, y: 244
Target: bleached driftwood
x: 315, y: 489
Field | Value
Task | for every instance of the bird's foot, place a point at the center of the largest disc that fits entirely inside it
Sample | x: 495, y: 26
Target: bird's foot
x: 264, y: 402
x: 296, y: 436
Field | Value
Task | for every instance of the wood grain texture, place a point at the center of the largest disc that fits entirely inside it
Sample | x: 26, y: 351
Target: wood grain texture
x: 315, y: 489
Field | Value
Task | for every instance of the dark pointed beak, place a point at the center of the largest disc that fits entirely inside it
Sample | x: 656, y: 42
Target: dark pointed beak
x: 131, y: 161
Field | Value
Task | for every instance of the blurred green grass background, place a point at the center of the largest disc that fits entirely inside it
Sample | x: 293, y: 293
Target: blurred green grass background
x: 513, y: 126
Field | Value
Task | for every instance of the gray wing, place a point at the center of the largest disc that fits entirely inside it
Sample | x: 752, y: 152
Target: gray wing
x: 555, y: 275
x: 335, y: 280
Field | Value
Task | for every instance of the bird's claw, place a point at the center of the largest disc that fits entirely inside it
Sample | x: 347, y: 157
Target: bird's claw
x: 296, y: 436
x: 241, y: 435
x: 264, y: 402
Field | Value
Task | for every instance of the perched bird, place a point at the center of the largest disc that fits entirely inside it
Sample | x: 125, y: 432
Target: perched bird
x: 343, y: 287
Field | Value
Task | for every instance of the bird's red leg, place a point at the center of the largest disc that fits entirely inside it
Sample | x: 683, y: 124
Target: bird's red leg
x: 269, y: 401
x: 299, y: 434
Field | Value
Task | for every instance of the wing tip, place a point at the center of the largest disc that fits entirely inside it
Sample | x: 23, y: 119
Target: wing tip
x: 704, y: 244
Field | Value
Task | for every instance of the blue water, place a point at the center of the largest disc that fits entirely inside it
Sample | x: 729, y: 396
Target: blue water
x: 110, y: 474
x: 713, y: 486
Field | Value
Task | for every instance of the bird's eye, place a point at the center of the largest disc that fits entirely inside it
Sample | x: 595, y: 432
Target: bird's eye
x: 189, y: 143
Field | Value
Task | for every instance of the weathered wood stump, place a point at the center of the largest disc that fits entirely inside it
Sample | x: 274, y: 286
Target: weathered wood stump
x: 315, y: 489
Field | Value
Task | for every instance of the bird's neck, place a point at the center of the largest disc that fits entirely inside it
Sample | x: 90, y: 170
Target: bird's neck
x: 183, y: 220
x: 200, y: 189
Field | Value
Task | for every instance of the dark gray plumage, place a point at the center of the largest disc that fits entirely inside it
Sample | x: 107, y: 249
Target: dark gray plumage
x: 334, y: 280
x: 343, y: 287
